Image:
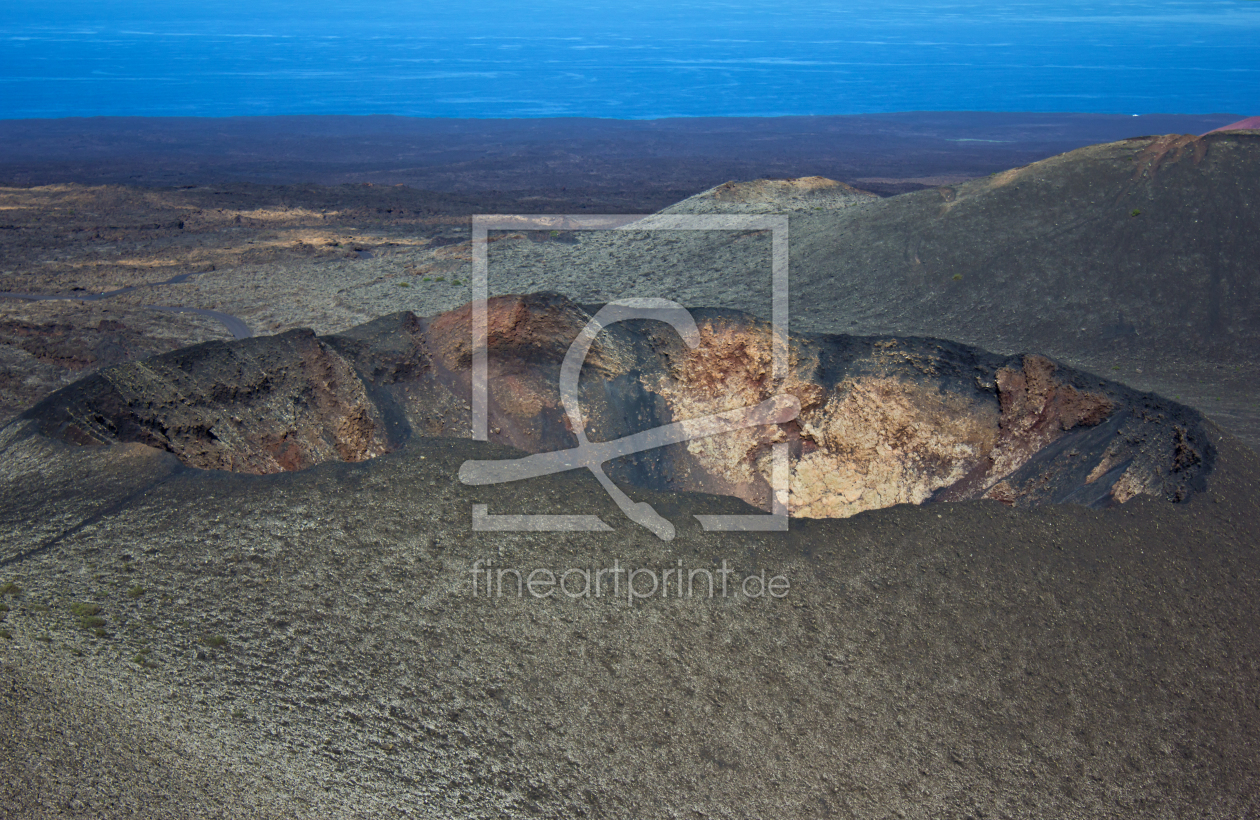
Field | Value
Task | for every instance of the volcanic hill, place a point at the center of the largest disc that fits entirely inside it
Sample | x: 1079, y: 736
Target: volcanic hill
x: 1135, y: 258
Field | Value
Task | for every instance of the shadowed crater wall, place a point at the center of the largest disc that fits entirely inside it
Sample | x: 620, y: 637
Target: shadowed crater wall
x: 883, y: 420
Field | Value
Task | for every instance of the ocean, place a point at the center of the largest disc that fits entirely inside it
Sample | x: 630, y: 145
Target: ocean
x: 633, y: 61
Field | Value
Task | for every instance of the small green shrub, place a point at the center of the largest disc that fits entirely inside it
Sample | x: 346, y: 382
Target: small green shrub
x: 11, y: 589
x: 215, y: 641
x: 88, y: 614
x: 6, y: 634
x: 136, y: 591
x: 1135, y: 212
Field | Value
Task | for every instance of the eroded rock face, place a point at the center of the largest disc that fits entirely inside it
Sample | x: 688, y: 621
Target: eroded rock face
x: 882, y: 421
x: 263, y: 405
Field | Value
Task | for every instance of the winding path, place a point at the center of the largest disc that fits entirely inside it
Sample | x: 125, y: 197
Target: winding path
x: 234, y: 325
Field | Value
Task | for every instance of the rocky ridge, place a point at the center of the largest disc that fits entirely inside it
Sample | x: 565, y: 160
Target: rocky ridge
x: 882, y: 421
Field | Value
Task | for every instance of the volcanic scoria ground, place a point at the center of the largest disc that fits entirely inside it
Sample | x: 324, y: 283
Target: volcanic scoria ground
x: 241, y: 578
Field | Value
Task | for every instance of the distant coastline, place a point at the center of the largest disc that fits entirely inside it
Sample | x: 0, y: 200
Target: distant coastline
x: 606, y: 163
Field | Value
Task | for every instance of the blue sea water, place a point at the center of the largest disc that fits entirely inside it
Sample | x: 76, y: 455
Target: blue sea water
x: 632, y: 60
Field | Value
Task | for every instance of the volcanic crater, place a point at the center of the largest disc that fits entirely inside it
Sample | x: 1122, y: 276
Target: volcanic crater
x: 882, y: 421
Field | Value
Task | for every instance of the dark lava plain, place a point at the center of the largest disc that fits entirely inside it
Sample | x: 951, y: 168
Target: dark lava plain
x: 559, y: 164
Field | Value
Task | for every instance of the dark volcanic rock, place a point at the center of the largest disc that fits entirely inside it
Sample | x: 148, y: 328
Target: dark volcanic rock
x: 259, y: 406
x: 882, y: 421
x: 46, y: 345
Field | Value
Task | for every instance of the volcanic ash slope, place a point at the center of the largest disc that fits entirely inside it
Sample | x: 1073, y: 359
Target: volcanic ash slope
x: 322, y: 641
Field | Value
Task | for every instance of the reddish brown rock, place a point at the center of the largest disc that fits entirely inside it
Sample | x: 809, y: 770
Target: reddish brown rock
x: 883, y: 421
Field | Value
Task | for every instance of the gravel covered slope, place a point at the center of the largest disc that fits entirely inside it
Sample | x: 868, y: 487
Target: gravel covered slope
x: 310, y: 644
